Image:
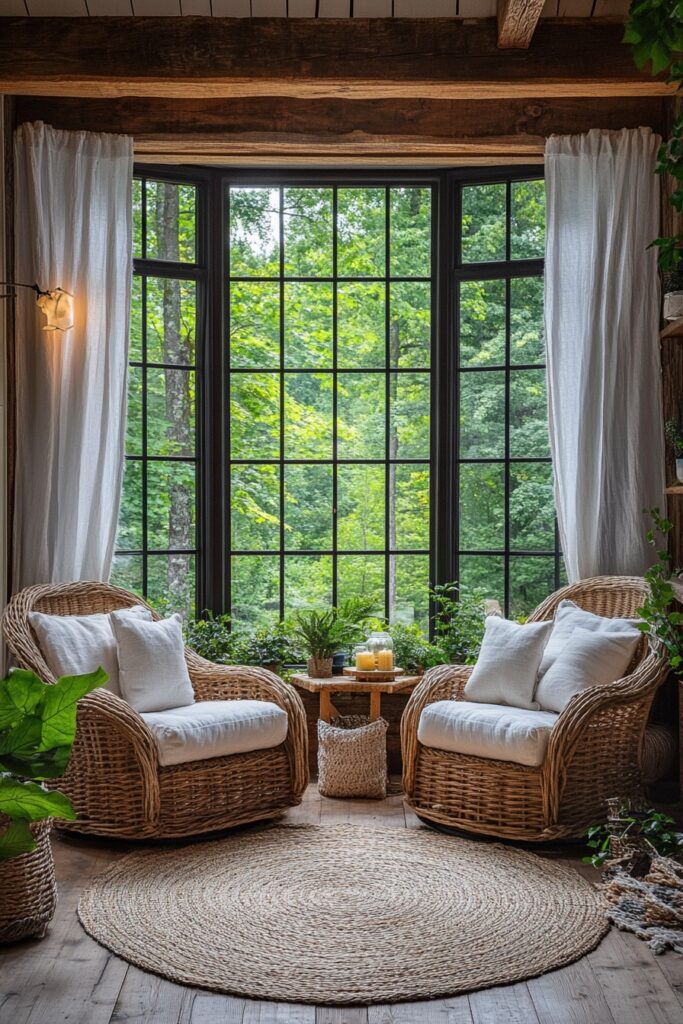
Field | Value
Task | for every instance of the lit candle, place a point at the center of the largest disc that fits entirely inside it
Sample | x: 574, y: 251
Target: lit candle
x: 385, y: 659
x: 365, y: 660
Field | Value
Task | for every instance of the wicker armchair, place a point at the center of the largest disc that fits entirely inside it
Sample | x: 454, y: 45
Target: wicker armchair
x: 114, y: 778
x: 594, y: 749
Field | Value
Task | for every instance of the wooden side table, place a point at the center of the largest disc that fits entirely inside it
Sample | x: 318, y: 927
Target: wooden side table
x: 346, y: 684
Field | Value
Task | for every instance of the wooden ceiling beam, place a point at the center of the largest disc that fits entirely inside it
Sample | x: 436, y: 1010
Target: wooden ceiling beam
x: 352, y: 59
x: 517, y: 20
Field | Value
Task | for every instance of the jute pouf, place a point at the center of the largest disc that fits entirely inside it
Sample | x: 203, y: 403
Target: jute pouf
x: 343, y: 914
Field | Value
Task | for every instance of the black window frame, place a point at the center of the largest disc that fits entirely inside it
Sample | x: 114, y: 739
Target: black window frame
x: 212, y: 365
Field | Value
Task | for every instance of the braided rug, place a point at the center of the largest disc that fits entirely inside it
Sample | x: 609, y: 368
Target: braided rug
x: 343, y: 914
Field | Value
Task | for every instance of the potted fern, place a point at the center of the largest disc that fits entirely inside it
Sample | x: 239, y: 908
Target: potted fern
x: 323, y: 633
x: 37, y: 729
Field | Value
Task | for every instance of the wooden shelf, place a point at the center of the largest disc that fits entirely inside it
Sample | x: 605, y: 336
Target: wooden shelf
x: 675, y: 489
x: 673, y: 330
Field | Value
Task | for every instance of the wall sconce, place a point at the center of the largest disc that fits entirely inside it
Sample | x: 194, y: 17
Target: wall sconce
x: 56, y: 305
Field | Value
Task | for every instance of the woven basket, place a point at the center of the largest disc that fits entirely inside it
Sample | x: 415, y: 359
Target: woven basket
x: 352, y: 757
x: 27, y: 889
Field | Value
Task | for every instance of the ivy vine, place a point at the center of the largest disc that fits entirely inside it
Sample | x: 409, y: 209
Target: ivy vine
x: 654, y: 31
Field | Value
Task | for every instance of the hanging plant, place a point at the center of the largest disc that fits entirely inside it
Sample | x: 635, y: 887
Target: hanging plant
x: 654, y: 31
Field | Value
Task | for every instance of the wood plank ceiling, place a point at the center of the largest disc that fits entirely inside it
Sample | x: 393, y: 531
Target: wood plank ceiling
x: 302, y: 8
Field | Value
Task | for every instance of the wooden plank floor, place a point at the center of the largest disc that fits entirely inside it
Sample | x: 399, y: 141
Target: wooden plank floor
x: 68, y: 979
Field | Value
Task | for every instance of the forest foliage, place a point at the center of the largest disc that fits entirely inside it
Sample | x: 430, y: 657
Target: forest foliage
x: 329, y: 336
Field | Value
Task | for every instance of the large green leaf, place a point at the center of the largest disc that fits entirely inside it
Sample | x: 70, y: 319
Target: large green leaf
x: 20, y: 694
x: 32, y: 802
x: 59, y: 706
x: 42, y: 764
x: 16, y: 839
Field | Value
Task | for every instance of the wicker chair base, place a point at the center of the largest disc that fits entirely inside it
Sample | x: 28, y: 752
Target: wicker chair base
x: 28, y: 892
x: 200, y: 797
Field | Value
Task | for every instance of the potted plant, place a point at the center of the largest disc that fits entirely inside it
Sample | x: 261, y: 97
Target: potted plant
x: 674, y: 435
x: 37, y: 729
x: 322, y: 634
x: 212, y: 638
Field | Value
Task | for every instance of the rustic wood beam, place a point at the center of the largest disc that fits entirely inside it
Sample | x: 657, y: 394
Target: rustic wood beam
x: 343, y: 131
x: 381, y: 58
x: 517, y: 20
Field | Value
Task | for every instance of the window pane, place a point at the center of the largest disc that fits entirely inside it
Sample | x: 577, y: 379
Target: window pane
x: 482, y: 415
x: 308, y: 507
x: 308, y: 325
x: 307, y: 215
x: 255, y: 415
x: 526, y: 320
x: 255, y: 589
x: 171, y: 320
x: 411, y: 232
x: 485, y: 574
x: 527, y: 224
x: 126, y: 572
x: 255, y: 507
x: 410, y: 415
x: 255, y: 324
x: 361, y: 576
x: 170, y: 412
x: 532, y: 510
x: 482, y: 506
x: 129, y: 532
x: 361, y: 325
x: 528, y: 414
x: 171, y: 504
x: 531, y: 580
x: 171, y: 222
x: 360, y: 507
x: 172, y: 584
x: 308, y: 582
x: 411, y: 328
x: 308, y: 416
x: 409, y: 589
x: 361, y: 247
x: 482, y: 323
x: 361, y: 416
x: 134, y: 419
x: 483, y: 223
x: 135, y: 352
x: 254, y: 232
x: 409, y: 493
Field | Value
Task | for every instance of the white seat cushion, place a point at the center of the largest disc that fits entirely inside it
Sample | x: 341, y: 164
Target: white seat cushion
x: 216, y: 728
x: 486, y: 730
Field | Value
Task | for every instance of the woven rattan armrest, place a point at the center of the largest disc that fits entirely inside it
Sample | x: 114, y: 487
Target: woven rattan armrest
x: 444, y: 682
x: 240, y: 682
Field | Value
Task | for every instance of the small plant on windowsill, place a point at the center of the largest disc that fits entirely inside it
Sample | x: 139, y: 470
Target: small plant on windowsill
x: 271, y: 647
x: 212, y: 638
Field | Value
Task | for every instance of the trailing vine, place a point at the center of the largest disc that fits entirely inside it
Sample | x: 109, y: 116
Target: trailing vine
x: 654, y: 31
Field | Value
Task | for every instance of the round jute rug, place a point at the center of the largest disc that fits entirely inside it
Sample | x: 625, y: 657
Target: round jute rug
x: 343, y: 914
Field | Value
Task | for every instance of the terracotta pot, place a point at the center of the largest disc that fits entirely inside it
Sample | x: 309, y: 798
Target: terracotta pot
x: 320, y: 668
x: 27, y: 889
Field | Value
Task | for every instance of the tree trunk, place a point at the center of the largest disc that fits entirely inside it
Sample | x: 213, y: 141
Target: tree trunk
x: 178, y: 402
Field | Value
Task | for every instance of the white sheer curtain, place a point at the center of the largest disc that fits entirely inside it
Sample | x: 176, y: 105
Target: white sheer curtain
x: 74, y: 231
x: 602, y: 340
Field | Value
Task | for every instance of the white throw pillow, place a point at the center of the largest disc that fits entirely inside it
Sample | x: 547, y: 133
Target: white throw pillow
x: 73, y: 645
x: 568, y: 617
x: 507, y: 665
x: 588, y: 659
x: 152, y: 668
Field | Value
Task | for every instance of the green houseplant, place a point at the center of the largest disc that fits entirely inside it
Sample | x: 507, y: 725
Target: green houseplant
x: 271, y: 647
x: 322, y: 633
x: 674, y: 435
x: 660, y: 619
x: 37, y: 729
